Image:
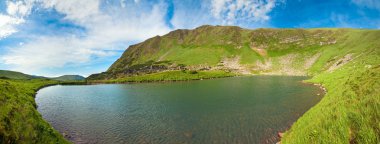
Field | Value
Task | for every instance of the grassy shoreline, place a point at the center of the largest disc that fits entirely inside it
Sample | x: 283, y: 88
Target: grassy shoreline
x: 20, y: 121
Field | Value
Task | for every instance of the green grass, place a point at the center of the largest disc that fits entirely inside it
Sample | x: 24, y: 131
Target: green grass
x: 204, y: 56
x: 170, y: 76
x: 20, y: 122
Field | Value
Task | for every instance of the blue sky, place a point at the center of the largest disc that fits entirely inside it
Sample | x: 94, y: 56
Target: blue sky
x: 51, y: 38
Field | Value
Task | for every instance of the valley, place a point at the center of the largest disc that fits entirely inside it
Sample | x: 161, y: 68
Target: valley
x: 346, y: 62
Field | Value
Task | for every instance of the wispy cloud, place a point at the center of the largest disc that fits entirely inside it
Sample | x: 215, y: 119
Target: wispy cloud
x: 373, y: 4
x: 233, y: 11
x: 244, y: 13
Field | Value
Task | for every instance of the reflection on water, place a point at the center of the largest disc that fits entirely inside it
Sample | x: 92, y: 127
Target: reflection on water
x: 228, y: 110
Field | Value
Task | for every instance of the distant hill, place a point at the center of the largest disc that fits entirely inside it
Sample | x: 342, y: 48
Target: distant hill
x: 15, y: 75
x: 69, y: 78
x: 6, y: 74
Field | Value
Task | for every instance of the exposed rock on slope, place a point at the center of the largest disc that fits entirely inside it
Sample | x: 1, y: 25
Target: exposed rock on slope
x: 347, y: 58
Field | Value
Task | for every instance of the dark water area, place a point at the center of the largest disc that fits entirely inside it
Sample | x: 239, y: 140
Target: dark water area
x: 228, y: 110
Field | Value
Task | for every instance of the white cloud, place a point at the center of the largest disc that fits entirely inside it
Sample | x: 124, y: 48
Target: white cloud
x: 8, y: 25
x: 232, y: 11
x: 187, y: 17
x: 78, y: 11
x: 15, y: 14
x: 373, y: 4
x: 19, y: 8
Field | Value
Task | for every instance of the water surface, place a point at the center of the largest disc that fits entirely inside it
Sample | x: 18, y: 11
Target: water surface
x: 228, y: 110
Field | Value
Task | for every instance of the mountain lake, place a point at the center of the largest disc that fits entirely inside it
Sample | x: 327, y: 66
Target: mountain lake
x: 226, y: 110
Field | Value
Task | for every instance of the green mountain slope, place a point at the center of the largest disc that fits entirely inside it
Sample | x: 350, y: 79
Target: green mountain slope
x: 345, y: 61
x: 264, y: 51
x: 69, y: 78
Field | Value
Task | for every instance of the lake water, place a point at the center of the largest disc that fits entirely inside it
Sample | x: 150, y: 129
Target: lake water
x: 228, y: 110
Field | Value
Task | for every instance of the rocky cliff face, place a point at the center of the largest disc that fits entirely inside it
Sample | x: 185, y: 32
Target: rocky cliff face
x: 230, y: 48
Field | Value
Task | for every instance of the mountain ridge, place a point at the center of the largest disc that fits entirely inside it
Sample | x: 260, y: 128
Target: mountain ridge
x: 258, y: 51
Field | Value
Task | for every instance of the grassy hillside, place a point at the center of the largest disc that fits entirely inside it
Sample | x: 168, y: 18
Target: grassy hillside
x: 20, y: 122
x: 345, y: 61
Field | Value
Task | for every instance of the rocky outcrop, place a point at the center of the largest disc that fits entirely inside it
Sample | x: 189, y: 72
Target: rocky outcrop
x: 340, y: 62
